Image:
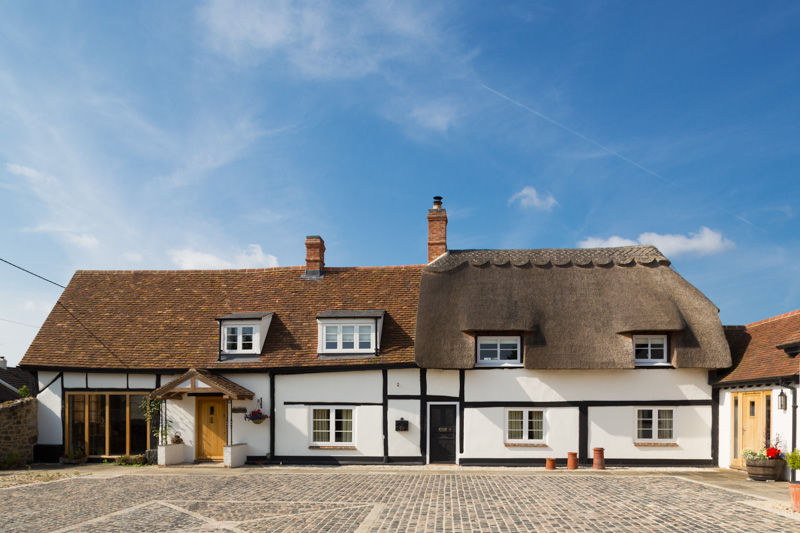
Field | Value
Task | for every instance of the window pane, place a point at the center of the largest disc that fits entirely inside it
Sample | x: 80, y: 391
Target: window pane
x: 232, y: 339
x: 331, y: 342
x: 117, y: 415
x: 508, y: 354
x: 752, y: 408
x: 344, y: 425
x: 348, y: 333
x: 665, y: 423
x: 515, y: 430
x: 138, y: 434
x: 535, y: 425
x: 247, y: 338
x: 321, y: 422
x: 77, y: 424
x: 364, y: 337
x: 488, y: 355
x: 644, y: 424
x: 97, y: 424
x: 641, y: 351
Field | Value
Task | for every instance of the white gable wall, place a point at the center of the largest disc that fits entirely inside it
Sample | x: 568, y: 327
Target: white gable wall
x: 49, y: 409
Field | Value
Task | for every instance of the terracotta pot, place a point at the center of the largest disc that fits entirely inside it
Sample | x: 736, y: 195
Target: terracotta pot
x: 550, y: 463
x: 764, y: 469
x: 572, y: 460
x: 794, y: 492
x: 599, y: 462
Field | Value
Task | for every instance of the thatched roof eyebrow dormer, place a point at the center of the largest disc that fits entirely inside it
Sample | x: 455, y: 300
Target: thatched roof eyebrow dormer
x: 575, y: 308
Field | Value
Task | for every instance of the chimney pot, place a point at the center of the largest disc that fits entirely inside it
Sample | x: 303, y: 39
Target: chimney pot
x: 437, y: 229
x: 315, y: 257
x: 3, y: 363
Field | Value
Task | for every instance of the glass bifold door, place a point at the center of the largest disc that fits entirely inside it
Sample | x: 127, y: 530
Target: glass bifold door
x: 105, y: 424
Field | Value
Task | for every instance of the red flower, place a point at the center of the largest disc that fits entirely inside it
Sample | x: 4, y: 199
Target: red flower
x: 773, y: 452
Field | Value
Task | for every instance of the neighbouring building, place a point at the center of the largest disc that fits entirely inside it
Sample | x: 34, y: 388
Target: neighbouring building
x: 758, y: 395
x: 12, y: 379
x: 478, y: 357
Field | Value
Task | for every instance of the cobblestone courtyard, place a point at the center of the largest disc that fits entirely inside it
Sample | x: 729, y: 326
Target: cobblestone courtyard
x: 339, y: 500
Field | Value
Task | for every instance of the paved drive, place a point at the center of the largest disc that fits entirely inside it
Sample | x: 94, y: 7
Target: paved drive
x: 360, y: 501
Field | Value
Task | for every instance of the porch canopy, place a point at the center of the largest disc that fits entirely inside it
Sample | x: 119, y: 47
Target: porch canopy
x: 200, y: 381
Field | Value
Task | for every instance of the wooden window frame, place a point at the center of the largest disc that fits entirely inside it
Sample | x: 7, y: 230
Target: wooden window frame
x: 654, y: 439
x: 332, y: 427
x: 338, y: 324
x: 500, y: 339
x: 651, y: 362
x: 223, y: 342
x: 128, y: 394
x: 525, y: 420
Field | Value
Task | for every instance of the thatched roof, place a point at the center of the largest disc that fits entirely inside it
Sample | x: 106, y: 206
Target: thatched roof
x: 575, y: 308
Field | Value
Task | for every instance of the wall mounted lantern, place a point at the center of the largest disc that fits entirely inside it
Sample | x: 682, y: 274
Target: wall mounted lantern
x: 782, y: 400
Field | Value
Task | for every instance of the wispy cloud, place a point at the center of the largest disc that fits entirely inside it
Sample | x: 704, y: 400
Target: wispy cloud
x: 437, y: 116
x: 321, y: 40
x: 252, y: 257
x: 704, y: 242
x: 529, y: 198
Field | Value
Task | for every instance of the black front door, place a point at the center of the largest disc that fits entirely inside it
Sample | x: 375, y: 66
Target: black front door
x: 443, y: 434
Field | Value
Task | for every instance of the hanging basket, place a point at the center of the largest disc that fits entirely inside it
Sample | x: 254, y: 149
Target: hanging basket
x: 257, y: 420
x: 256, y: 417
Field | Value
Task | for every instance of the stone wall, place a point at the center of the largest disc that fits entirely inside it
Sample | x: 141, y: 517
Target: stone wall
x: 18, y: 431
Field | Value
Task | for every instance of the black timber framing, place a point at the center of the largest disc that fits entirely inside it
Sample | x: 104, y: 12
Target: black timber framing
x: 346, y: 460
x: 583, y: 434
x: 333, y: 403
x: 423, y: 412
x: 385, y: 410
x: 588, y: 403
x: 495, y: 461
x: 715, y: 426
x: 272, y: 414
x: 461, y: 394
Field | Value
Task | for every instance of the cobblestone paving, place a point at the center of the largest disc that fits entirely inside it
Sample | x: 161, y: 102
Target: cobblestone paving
x: 336, y: 501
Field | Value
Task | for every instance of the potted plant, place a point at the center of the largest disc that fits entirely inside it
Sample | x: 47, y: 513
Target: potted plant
x: 766, y: 464
x: 256, y: 416
x: 793, y: 460
x: 176, y: 438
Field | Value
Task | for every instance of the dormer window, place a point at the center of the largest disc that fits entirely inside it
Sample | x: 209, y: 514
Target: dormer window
x: 650, y: 350
x: 241, y: 339
x: 349, y: 332
x: 242, y: 334
x: 499, y: 351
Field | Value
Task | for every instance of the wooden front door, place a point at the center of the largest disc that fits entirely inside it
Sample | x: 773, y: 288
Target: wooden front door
x: 212, y: 427
x: 751, y: 422
x: 442, y: 440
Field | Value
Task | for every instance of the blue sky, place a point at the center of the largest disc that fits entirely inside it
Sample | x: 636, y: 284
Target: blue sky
x: 218, y: 134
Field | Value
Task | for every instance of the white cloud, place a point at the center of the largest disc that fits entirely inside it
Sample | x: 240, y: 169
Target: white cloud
x: 611, y: 242
x: 437, y: 116
x: 133, y: 257
x: 528, y: 197
x: 83, y: 240
x: 706, y: 241
x: 252, y: 257
x: 321, y: 40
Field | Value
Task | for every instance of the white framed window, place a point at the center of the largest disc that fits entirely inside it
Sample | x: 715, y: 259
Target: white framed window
x: 525, y: 426
x: 499, y: 351
x: 240, y: 338
x: 650, y: 350
x: 331, y: 426
x: 347, y: 337
x: 656, y: 424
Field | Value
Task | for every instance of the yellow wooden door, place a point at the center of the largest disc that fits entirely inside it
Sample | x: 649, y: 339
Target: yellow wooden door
x: 212, y: 420
x: 753, y: 420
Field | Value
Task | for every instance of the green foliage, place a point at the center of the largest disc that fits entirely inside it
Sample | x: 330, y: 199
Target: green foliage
x: 793, y: 460
x: 131, y: 460
x: 151, y: 408
x: 77, y: 453
x: 24, y: 391
x: 749, y: 454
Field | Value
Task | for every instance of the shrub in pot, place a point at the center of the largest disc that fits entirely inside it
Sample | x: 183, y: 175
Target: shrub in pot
x: 793, y: 460
x: 766, y: 464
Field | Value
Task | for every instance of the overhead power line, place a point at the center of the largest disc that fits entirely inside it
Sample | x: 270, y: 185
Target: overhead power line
x: 17, y: 323
x: 32, y: 273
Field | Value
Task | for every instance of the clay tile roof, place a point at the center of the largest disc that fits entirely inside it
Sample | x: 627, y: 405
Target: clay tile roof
x: 166, y: 319
x: 754, y: 348
x: 16, y: 378
x: 216, y: 382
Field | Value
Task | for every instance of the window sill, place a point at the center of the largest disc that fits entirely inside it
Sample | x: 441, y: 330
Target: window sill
x: 346, y: 355
x: 324, y: 447
x: 656, y: 365
x: 657, y: 444
x: 505, y: 365
x: 526, y: 445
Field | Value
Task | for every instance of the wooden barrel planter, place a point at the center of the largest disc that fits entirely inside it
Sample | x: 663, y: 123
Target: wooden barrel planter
x: 765, y: 469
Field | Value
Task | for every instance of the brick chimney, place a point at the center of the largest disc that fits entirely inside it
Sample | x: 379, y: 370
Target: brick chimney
x: 437, y: 229
x: 315, y: 257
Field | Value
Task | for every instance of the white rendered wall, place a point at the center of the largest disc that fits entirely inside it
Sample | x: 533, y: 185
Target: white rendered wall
x: 613, y: 428
x: 255, y: 436
x: 49, y: 409
x: 725, y: 430
x: 74, y: 380
x: 404, y: 443
x: 180, y: 414
x: 519, y: 384
x: 442, y: 383
x: 142, y: 381
x: 484, y: 434
x: 293, y: 422
x: 403, y: 381
x: 106, y: 381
